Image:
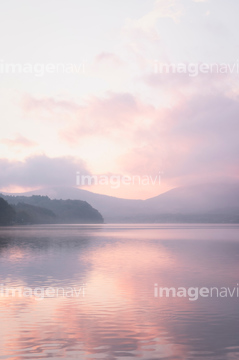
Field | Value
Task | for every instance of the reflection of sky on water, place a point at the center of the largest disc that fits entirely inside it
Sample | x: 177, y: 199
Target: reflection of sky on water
x: 119, y: 316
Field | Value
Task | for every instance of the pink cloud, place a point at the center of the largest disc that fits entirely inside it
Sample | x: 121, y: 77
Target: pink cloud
x: 114, y: 113
x: 108, y: 57
x: 47, y: 104
x: 19, y: 142
x: 193, y: 140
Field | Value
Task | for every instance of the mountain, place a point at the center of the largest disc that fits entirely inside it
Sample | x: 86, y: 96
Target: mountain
x: 29, y: 214
x: 112, y: 208
x: 203, y: 198
x: 211, y: 203
x: 7, y: 213
x: 38, y: 209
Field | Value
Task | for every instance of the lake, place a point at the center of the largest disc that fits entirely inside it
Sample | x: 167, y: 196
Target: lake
x: 93, y: 292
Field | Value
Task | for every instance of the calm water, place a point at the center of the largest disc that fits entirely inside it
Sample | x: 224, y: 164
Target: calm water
x: 115, y: 315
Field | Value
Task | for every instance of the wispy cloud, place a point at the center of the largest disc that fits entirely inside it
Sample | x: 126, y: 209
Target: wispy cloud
x: 18, y: 142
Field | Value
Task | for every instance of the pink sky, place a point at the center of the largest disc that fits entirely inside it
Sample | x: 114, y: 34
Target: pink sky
x: 113, y: 113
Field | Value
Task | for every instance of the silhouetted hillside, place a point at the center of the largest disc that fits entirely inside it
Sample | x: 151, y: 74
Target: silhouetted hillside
x: 29, y: 214
x: 7, y: 213
x: 42, y: 210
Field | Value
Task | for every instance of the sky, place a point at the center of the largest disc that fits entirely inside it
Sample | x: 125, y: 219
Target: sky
x: 87, y: 93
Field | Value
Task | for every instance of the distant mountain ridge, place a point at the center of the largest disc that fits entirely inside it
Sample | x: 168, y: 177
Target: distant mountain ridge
x: 211, y: 203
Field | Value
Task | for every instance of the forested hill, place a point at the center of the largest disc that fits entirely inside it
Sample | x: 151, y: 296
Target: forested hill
x: 43, y: 210
x: 7, y: 213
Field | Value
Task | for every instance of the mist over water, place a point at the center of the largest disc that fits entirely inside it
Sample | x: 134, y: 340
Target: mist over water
x: 119, y: 317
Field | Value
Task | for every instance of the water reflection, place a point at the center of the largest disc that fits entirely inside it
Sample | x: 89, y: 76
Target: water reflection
x: 119, y: 318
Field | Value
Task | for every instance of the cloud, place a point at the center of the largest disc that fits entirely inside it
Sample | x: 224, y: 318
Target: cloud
x: 47, y: 104
x: 192, y: 140
x: 40, y: 171
x: 116, y: 112
x: 19, y: 142
x: 195, y: 141
x: 142, y: 38
x: 162, y: 9
x: 108, y: 57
